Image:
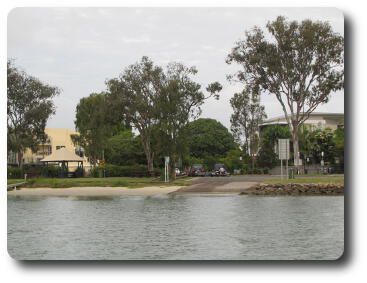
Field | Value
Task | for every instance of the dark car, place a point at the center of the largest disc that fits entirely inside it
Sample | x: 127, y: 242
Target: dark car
x: 197, y: 170
x: 219, y: 170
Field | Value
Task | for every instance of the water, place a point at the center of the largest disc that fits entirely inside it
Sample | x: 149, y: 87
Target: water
x: 180, y: 227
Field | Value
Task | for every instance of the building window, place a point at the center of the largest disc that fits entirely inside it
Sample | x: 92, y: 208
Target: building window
x: 44, y: 150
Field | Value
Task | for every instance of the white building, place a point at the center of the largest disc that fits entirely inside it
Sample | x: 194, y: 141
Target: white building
x: 316, y: 120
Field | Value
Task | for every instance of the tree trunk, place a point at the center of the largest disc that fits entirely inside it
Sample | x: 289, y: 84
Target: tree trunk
x: 295, y: 139
x: 148, y: 154
x: 172, y: 169
x: 150, y: 163
x: 20, y: 159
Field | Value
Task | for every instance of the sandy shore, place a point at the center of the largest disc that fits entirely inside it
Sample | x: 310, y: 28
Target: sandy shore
x: 94, y: 191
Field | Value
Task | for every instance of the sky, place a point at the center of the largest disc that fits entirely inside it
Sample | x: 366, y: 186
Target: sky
x: 78, y: 49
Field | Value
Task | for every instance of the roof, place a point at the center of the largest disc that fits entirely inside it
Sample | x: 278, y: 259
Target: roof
x: 282, y: 117
x: 62, y: 154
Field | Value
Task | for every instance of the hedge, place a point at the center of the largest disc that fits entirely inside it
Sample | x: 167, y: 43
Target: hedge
x: 122, y: 171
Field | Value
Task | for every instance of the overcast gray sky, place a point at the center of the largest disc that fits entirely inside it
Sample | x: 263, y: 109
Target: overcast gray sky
x: 77, y: 49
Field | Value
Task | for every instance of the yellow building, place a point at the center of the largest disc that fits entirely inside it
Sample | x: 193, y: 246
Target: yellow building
x: 57, y: 138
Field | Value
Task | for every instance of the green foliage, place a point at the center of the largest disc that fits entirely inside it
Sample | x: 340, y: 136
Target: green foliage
x: 94, y: 125
x: 267, y: 158
x: 248, y: 114
x: 33, y: 170
x: 209, y: 161
x: 29, y: 107
x: 232, y: 160
x: 14, y: 173
x: 322, y: 141
x: 132, y: 97
x: 191, y: 160
x: 208, y: 137
x: 124, y: 148
x: 122, y: 171
x: 159, y: 103
x: 179, y: 102
x: 300, y: 63
x: 79, y: 172
x: 50, y: 171
x: 256, y: 171
x: 339, y: 144
x: 271, y: 133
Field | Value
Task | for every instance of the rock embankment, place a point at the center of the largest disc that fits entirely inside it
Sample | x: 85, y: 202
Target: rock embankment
x: 295, y: 189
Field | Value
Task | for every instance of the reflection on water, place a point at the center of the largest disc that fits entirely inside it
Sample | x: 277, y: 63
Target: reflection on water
x: 176, y: 227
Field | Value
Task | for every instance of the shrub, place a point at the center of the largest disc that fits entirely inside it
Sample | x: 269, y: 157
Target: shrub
x: 256, y: 171
x: 122, y: 171
x: 14, y: 173
x: 52, y: 171
x: 79, y: 172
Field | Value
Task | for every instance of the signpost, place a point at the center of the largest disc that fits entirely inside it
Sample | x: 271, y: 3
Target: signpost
x: 283, y: 154
x: 166, y: 168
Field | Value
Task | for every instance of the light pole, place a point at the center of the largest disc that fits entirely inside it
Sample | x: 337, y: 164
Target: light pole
x: 322, y: 161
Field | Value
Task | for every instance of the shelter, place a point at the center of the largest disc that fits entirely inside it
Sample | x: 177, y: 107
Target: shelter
x: 63, y: 156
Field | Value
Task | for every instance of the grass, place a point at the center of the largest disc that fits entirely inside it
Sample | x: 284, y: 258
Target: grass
x: 308, y: 180
x: 97, y: 182
x: 14, y: 181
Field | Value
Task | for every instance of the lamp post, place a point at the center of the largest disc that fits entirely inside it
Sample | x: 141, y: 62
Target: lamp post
x: 322, y: 161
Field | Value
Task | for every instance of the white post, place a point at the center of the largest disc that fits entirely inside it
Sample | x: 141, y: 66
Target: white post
x: 281, y: 169
x: 166, y: 175
x: 287, y: 155
x: 165, y: 171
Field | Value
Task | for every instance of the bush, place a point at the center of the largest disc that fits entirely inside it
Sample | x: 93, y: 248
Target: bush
x: 30, y: 170
x: 52, y: 171
x: 267, y: 158
x: 122, y: 171
x: 79, y: 172
x: 14, y: 173
x: 256, y: 171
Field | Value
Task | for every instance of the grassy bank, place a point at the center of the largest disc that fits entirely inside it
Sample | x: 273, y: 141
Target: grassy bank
x: 15, y: 181
x: 96, y: 182
x: 308, y: 180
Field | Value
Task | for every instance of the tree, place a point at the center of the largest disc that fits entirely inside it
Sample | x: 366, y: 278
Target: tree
x: 208, y: 137
x: 159, y: 104
x: 323, y: 141
x: 94, y: 125
x: 271, y: 133
x: 133, y: 97
x: 269, y: 136
x: 248, y: 114
x: 267, y: 157
x: 233, y: 159
x: 124, y: 148
x: 339, y: 144
x: 29, y: 107
x: 179, y: 102
x: 300, y: 65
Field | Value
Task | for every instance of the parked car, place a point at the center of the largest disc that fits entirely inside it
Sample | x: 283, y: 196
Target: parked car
x: 179, y: 172
x: 197, y: 170
x: 219, y: 170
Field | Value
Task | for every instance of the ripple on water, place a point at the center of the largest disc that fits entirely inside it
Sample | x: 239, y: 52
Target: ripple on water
x: 176, y: 227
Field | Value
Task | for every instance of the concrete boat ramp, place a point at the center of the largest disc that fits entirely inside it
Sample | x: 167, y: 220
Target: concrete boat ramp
x: 231, y: 184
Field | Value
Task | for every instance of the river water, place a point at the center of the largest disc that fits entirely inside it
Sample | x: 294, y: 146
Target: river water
x: 181, y: 227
